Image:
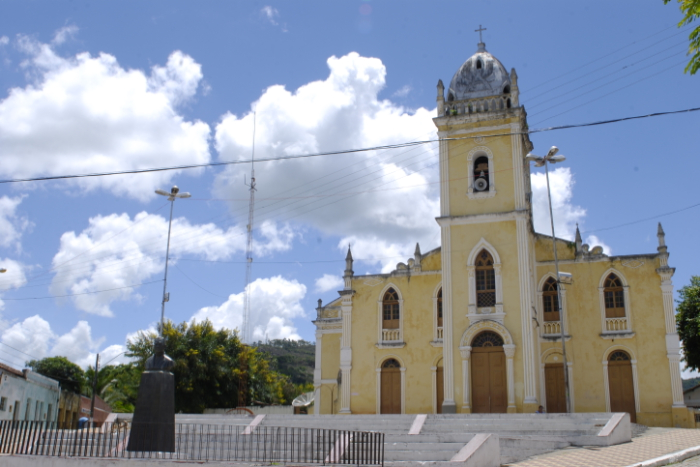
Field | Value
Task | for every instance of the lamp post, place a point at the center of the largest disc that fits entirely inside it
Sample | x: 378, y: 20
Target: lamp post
x: 552, y: 158
x: 174, y: 193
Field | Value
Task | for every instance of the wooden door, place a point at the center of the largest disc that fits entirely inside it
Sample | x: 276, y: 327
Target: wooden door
x: 488, y: 376
x: 440, y: 387
x: 554, y: 387
x: 391, y: 387
x: 621, y: 385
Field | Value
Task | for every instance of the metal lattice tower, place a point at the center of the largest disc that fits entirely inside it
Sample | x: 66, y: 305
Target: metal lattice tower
x: 249, y: 246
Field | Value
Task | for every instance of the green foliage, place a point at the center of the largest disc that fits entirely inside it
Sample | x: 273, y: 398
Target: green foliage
x: 210, y: 366
x: 294, y: 359
x: 688, y: 317
x: 68, y: 374
x: 116, y: 384
x: 691, y: 13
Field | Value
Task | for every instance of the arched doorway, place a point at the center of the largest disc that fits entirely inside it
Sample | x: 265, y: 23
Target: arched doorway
x: 391, y: 387
x: 621, y: 384
x: 439, y: 386
x: 555, y: 389
x: 488, y: 375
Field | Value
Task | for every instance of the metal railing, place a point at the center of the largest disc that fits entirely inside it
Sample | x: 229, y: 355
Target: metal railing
x: 198, y: 442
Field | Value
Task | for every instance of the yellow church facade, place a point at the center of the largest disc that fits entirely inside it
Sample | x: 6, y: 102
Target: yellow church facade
x: 474, y: 325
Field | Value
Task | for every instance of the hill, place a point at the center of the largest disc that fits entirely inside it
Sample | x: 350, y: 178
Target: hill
x: 292, y: 358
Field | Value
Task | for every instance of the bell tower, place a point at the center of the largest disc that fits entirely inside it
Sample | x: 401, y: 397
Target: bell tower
x: 485, y: 203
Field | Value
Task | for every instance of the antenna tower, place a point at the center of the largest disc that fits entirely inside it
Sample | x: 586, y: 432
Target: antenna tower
x: 249, y: 245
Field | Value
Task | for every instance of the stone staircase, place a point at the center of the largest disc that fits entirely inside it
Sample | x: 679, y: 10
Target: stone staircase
x: 484, y: 440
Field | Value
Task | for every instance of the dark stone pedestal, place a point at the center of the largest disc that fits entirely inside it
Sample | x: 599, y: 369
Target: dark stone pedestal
x: 153, y: 425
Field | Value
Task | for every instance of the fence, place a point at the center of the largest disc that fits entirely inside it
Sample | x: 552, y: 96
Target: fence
x: 198, y: 442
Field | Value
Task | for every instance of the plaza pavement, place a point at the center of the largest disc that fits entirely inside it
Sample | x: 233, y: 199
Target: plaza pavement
x: 654, y: 447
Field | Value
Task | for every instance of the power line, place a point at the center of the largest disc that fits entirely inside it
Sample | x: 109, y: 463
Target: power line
x: 83, y: 293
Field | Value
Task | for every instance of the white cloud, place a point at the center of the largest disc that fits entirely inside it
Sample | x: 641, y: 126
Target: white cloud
x: 115, y: 252
x: 566, y: 214
x: 385, y: 196
x: 13, y: 278
x: 35, y: 337
x: 328, y: 282
x: 86, y: 114
x: 4, y: 40
x: 64, y: 34
x: 271, y: 14
x: 594, y: 241
x: 274, y: 302
x: 11, y: 224
x: 403, y: 92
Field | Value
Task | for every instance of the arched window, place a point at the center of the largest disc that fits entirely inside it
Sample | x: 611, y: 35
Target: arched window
x: 506, y: 89
x: 487, y: 339
x: 478, y: 64
x: 619, y: 356
x: 481, y: 174
x: 439, y: 308
x: 390, y: 310
x: 614, y: 297
x: 485, y: 280
x: 550, y: 300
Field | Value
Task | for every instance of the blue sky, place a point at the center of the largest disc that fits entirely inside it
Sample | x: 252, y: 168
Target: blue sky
x: 90, y: 87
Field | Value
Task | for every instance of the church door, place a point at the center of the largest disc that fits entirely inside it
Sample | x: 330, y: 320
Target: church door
x: 440, y: 387
x: 554, y: 387
x: 391, y: 387
x: 488, y: 375
x: 621, y: 384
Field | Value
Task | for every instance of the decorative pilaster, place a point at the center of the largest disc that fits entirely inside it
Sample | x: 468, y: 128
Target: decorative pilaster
x: 518, y: 163
x: 448, y: 404
x: 466, y: 354
x: 529, y: 362
x: 317, y: 370
x: 509, y: 350
x: 444, y: 177
x: 346, y: 338
x: 673, y: 347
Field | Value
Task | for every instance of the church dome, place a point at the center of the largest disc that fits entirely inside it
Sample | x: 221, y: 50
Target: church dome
x: 481, y: 75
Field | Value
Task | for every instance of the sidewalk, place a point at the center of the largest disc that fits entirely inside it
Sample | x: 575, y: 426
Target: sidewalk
x: 653, y: 444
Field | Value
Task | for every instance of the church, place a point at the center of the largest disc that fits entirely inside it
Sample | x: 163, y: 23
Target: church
x: 474, y: 326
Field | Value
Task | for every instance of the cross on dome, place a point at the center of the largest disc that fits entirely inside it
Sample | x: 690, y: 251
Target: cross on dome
x: 479, y: 31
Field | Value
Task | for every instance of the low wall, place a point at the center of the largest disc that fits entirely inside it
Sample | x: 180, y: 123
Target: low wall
x: 268, y: 410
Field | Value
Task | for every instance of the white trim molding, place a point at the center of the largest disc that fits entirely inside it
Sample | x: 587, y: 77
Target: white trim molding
x: 619, y: 328
x: 379, y: 382
x: 496, y: 312
x: 635, y: 381
x: 473, y: 155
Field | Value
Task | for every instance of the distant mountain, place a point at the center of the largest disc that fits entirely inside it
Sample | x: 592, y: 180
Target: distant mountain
x: 292, y: 358
x: 690, y: 382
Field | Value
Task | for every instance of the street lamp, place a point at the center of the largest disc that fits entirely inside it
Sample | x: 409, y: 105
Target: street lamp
x: 174, y: 193
x: 552, y: 158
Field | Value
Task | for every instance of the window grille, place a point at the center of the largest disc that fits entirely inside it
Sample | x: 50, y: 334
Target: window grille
x: 390, y: 309
x: 614, y: 297
x: 550, y: 300
x: 485, y: 280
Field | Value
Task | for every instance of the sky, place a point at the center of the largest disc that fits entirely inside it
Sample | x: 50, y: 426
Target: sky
x: 98, y: 87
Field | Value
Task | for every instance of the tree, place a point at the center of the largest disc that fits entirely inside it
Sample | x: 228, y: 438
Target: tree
x: 691, y: 12
x: 688, y: 316
x: 117, y: 385
x: 68, y: 374
x: 211, y: 366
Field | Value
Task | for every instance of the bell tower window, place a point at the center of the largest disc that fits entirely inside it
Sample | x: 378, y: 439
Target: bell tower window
x: 481, y: 173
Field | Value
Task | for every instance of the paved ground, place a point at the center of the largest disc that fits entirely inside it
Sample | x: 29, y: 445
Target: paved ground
x: 653, y: 443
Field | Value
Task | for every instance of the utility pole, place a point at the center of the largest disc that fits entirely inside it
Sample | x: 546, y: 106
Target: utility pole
x: 94, y: 390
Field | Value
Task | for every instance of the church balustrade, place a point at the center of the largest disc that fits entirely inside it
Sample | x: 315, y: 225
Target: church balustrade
x: 551, y: 327
x: 391, y: 335
x: 616, y: 324
x: 481, y: 104
x: 439, y: 333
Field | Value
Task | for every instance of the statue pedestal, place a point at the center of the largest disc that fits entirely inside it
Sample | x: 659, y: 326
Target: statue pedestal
x: 153, y: 425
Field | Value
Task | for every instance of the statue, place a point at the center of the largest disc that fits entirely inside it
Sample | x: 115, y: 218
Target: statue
x: 153, y: 424
x: 159, y: 361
